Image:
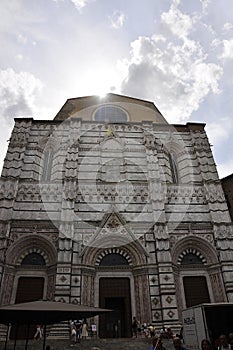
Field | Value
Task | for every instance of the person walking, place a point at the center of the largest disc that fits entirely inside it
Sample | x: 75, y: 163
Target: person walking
x: 79, y: 330
x: 38, y: 334
x: 135, y: 327
x: 157, y: 344
x: 84, y: 329
x: 73, y: 335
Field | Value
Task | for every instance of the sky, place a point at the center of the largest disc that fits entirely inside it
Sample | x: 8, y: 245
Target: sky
x: 176, y: 53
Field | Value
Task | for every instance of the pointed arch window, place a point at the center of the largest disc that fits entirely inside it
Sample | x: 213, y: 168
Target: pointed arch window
x: 47, y: 166
x: 173, y: 168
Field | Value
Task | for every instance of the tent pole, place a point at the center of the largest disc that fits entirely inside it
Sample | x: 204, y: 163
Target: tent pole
x: 16, y: 334
x: 44, y: 337
x: 26, y: 344
x: 7, y: 334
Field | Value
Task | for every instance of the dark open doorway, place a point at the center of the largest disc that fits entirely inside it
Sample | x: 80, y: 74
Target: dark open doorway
x: 115, y: 294
x: 28, y: 289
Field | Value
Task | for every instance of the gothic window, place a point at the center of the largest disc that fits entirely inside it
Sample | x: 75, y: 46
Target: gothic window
x: 33, y: 259
x: 110, y: 114
x: 113, y: 260
x: 47, y: 166
x: 173, y: 168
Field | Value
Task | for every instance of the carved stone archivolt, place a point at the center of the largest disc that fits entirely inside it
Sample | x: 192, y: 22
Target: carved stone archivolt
x: 197, y: 243
x: 133, y: 252
x: 33, y: 250
x: 119, y: 251
x: 23, y: 246
x: 191, y: 251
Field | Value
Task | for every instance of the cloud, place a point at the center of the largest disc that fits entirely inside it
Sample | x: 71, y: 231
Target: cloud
x: 227, y: 52
x: 117, y: 19
x: 225, y: 168
x: 220, y: 137
x: 79, y: 4
x: 227, y: 26
x: 217, y: 131
x: 179, y: 23
x: 22, y: 39
x: 205, y: 5
x: 17, y: 93
x: 171, y: 68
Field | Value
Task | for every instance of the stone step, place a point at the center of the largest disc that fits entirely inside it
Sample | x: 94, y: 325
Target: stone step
x: 88, y: 344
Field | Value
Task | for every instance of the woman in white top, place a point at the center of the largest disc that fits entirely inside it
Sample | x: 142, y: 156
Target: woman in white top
x: 85, y: 329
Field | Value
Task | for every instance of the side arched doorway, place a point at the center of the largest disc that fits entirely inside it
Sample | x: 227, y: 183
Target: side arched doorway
x: 28, y: 289
x: 30, y: 272
x: 197, y: 273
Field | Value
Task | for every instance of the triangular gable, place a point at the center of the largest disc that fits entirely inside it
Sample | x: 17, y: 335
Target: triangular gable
x: 113, y: 228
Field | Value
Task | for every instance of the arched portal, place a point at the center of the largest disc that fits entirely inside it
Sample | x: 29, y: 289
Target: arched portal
x: 115, y: 294
x: 197, y: 273
x: 117, y: 277
x: 30, y: 275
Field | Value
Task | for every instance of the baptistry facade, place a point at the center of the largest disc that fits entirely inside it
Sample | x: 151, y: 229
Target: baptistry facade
x: 109, y: 205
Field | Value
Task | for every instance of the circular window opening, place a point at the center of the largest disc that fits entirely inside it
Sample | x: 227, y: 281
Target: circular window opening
x: 110, y: 114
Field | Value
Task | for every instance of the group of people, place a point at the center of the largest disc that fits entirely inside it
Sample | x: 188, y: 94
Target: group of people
x: 78, y: 331
x: 147, y: 330
x: 222, y: 343
x: 157, y: 344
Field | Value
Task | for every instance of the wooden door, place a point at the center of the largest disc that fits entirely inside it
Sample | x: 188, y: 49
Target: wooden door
x: 196, y: 290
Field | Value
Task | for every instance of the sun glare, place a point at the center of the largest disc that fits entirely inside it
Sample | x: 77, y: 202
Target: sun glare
x: 99, y: 82
x: 102, y: 93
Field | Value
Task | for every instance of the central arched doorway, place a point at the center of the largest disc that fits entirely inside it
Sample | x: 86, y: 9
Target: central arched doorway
x: 118, y: 279
x: 114, y: 293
